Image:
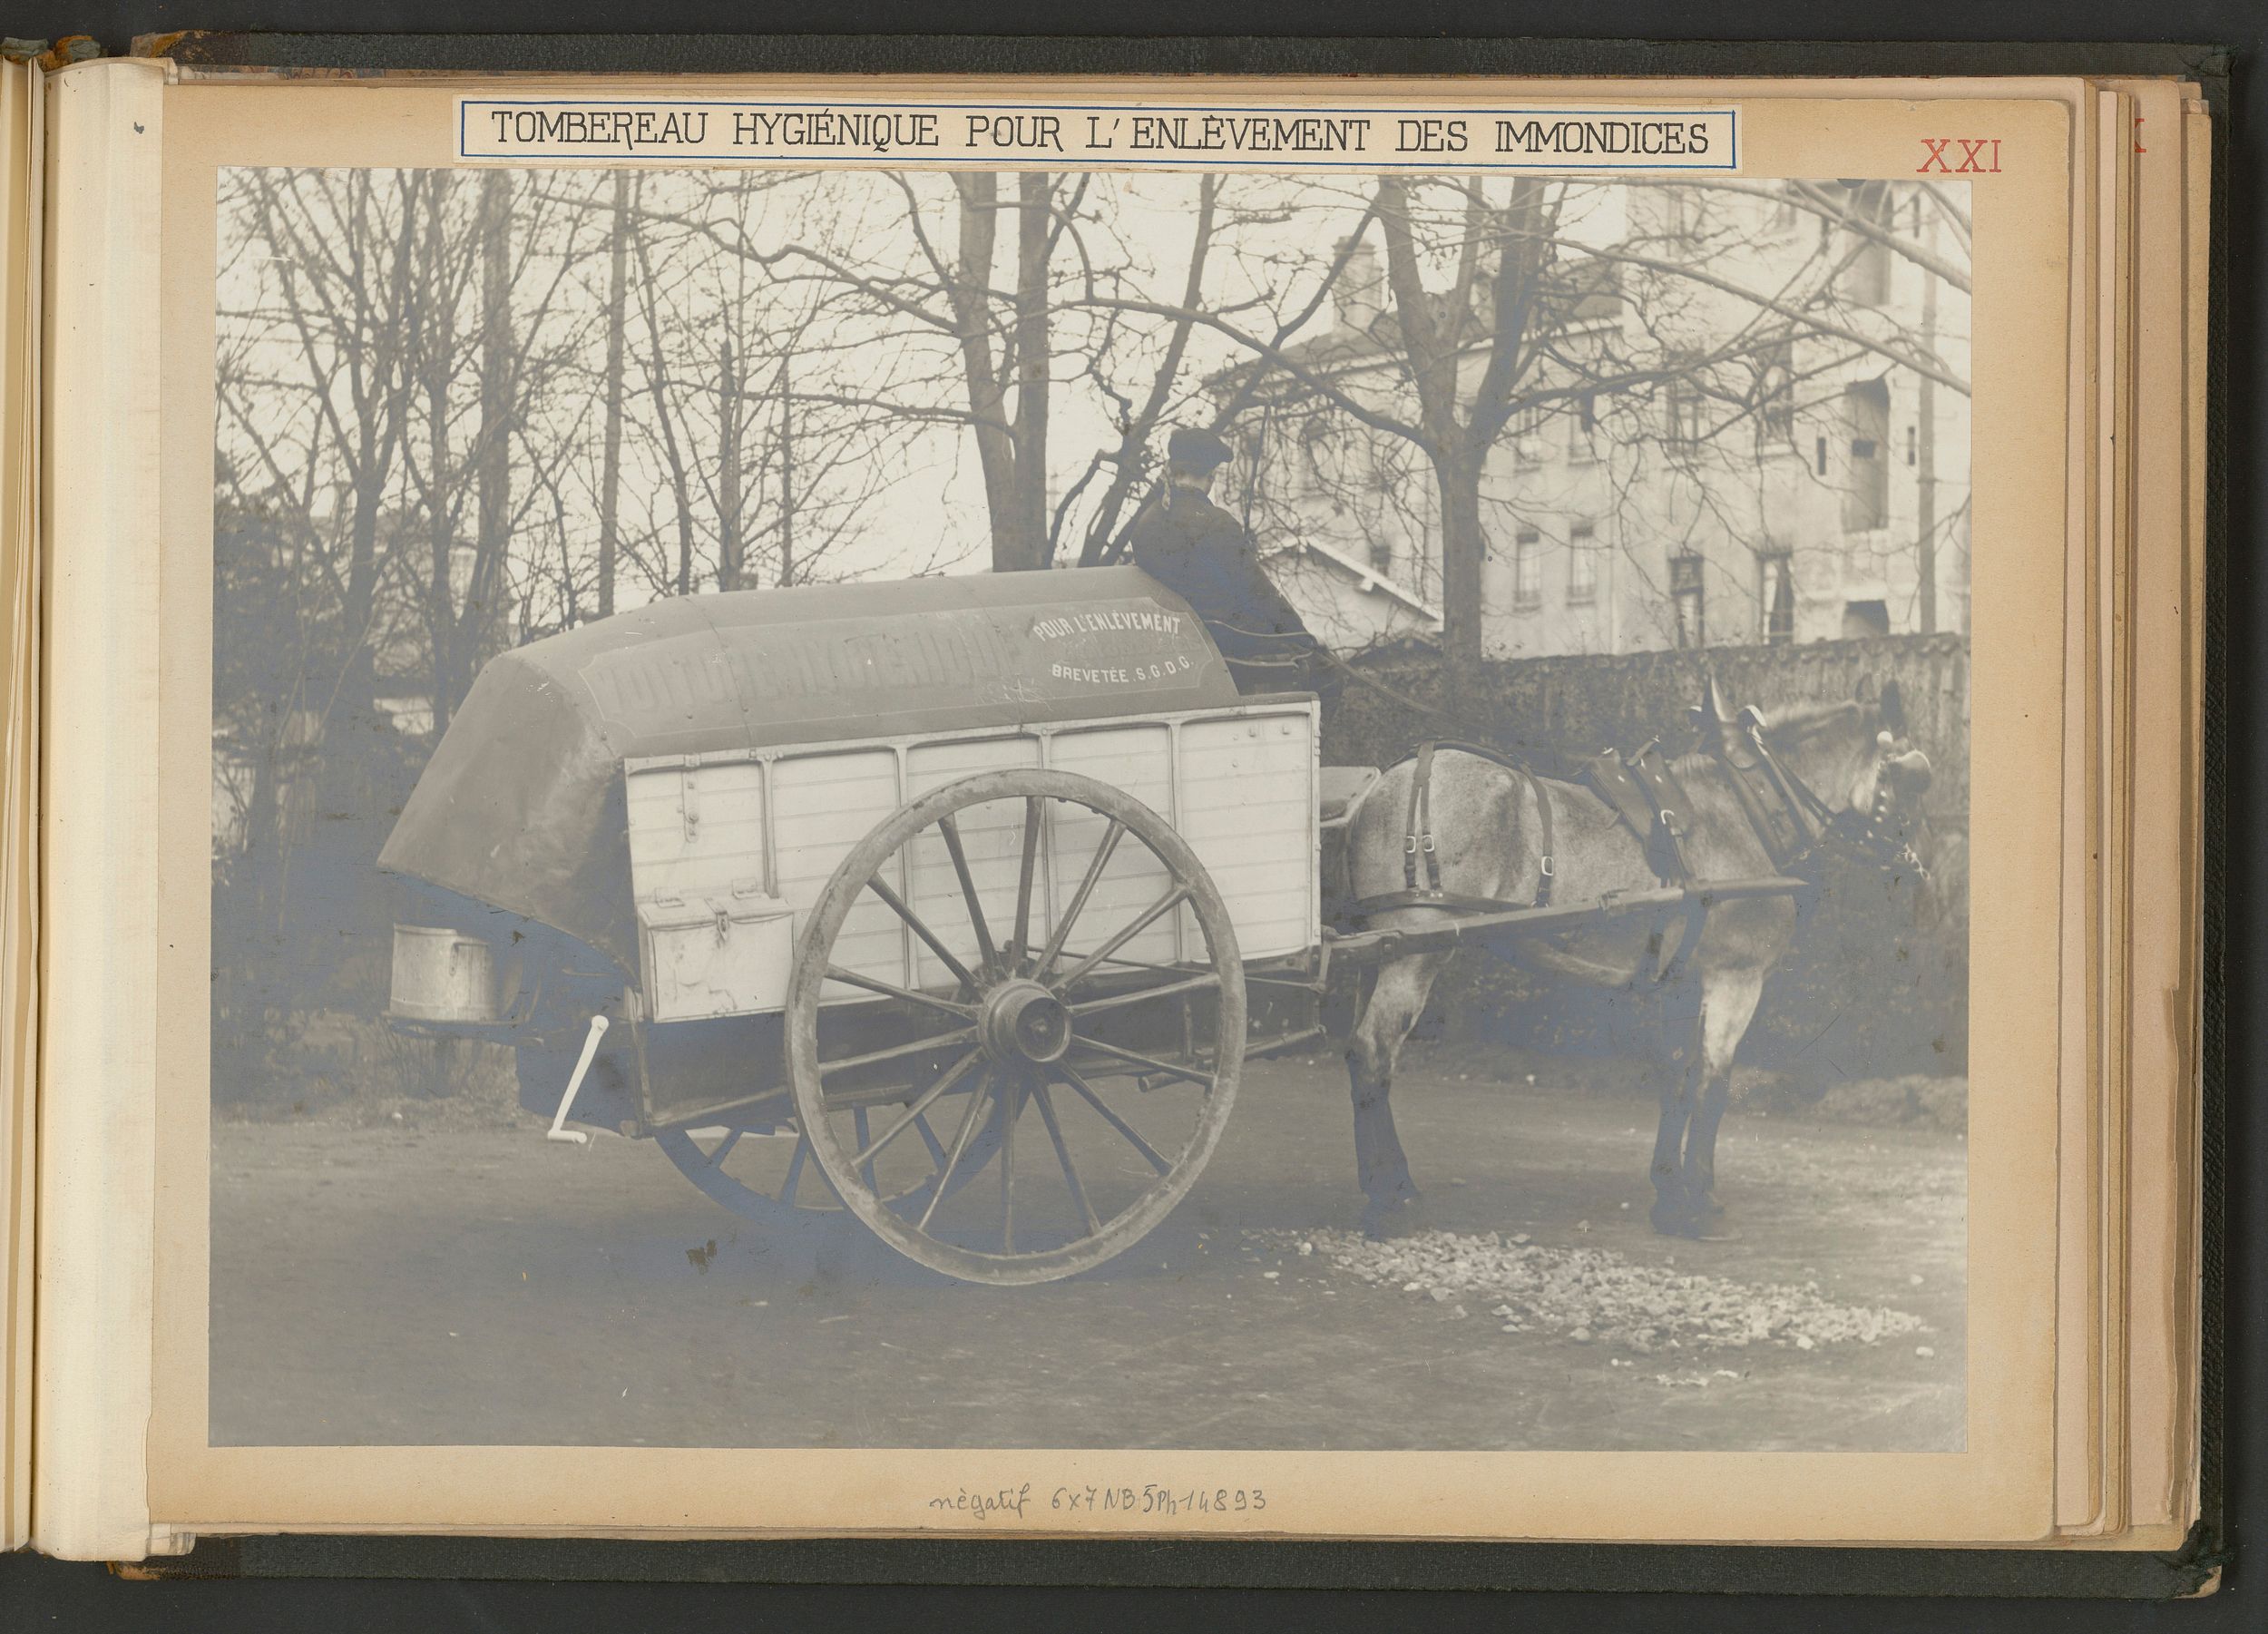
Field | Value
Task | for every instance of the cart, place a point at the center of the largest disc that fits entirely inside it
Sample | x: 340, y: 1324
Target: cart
x: 956, y: 903
x: 944, y: 901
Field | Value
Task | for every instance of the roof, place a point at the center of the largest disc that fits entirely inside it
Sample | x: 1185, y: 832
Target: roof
x: 520, y: 807
x: 1367, y: 578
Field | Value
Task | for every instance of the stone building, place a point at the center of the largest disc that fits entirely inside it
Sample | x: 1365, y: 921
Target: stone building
x: 1706, y: 470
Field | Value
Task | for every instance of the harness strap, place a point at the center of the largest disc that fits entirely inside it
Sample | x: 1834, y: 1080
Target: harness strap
x: 1665, y: 840
x: 1418, y: 833
x: 1780, y: 831
x: 1544, y: 868
x: 1810, y: 812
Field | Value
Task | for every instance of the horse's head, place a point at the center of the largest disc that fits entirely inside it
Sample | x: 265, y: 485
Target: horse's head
x: 1854, y: 764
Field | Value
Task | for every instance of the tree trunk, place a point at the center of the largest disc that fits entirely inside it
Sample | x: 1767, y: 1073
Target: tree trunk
x: 611, y: 465
x: 658, y: 378
x: 728, y: 544
x: 968, y: 294
x: 1465, y: 557
x: 477, y: 624
x: 433, y: 365
x: 1020, y: 539
x: 786, y: 474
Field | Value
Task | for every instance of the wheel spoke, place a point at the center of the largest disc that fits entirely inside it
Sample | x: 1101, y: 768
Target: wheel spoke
x: 1121, y: 1000
x: 959, y: 1070
x: 851, y: 978
x: 899, y: 1051
x: 951, y: 831
x: 945, y: 954
x: 866, y: 1169
x: 1031, y: 813
x: 1086, y: 1091
x: 1149, y: 916
x: 929, y: 1139
x: 959, y: 1148
x: 1135, y: 1058
x: 795, y: 1169
x: 723, y: 1148
x: 1010, y: 1105
x: 1078, y: 899
x: 1046, y: 1104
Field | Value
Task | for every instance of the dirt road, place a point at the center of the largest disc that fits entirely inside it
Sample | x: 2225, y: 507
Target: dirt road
x: 413, y: 1286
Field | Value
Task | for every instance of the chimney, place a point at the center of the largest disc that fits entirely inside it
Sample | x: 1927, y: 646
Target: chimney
x: 1359, y: 295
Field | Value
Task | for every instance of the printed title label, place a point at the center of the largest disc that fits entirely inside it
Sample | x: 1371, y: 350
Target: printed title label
x: 616, y: 131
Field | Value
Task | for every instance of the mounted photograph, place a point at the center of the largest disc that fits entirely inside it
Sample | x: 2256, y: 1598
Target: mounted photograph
x: 876, y: 807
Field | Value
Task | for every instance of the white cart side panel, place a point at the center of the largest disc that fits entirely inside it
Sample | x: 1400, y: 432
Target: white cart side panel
x: 823, y: 805
x: 1239, y: 786
x: 1137, y: 758
x: 992, y: 838
x: 1248, y: 808
x: 695, y: 829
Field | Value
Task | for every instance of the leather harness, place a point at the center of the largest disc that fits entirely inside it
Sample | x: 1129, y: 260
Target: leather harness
x: 1417, y: 844
x: 1790, y: 821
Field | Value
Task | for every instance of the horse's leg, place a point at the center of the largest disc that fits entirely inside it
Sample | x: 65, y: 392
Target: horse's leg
x: 1396, y: 998
x: 1728, y: 1005
x: 1677, y: 1069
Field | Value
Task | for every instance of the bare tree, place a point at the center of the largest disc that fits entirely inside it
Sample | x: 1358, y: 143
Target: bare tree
x: 1487, y: 293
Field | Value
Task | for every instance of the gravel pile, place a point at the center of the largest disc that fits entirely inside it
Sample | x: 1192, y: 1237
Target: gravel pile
x: 1594, y: 1295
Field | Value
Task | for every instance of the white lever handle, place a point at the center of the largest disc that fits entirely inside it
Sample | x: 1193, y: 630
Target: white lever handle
x: 559, y: 1129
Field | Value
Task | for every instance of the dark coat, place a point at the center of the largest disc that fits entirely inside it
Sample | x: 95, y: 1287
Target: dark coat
x: 1193, y: 547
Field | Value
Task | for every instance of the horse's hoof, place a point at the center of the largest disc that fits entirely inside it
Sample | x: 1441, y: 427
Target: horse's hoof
x: 1388, y: 1217
x: 1674, y: 1216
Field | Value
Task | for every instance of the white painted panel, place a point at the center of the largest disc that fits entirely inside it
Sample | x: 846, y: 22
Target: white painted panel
x: 1138, y: 759
x: 1248, y: 809
x: 722, y: 954
x: 823, y: 805
x: 992, y: 838
x: 695, y: 830
x: 1240, y: 789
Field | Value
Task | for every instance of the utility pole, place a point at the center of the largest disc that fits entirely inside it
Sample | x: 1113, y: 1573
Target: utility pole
x: 727, y: 472
x: 1925, y: 435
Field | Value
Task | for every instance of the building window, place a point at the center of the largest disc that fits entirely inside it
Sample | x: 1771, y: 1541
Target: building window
x: 1775, y: 391
x: 1685, y: 595
x: 1866, y: 422
x: 1866, y: 258
x: 1784, y: 210
x: 1582, y: 565
x: 1685, y: 409
x: 1529, y: 424
x: 1527, y: 571
x: 1821, y: 456
x: 1776, y: 594
x: 1382, y: 554
x: 1863, y: 619
x: 1681, y: 213
x: 1582, y: 431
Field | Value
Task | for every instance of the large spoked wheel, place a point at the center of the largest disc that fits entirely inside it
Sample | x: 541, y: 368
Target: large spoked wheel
x: 1081, y: 1035
x: 758, y: 1163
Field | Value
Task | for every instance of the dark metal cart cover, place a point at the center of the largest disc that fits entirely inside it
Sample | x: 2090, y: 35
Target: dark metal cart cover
x: 522, y: 805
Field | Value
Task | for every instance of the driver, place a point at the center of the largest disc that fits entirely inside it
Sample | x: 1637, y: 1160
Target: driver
x: 1193, y: 547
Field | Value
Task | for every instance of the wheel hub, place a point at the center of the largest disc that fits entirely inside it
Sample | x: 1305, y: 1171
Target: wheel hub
x: 1023, y: 1021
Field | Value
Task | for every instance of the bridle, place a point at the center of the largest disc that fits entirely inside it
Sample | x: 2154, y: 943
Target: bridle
x: 1799, y: 829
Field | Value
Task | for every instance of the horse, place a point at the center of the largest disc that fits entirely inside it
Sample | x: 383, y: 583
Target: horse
x: 1846, y: 774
